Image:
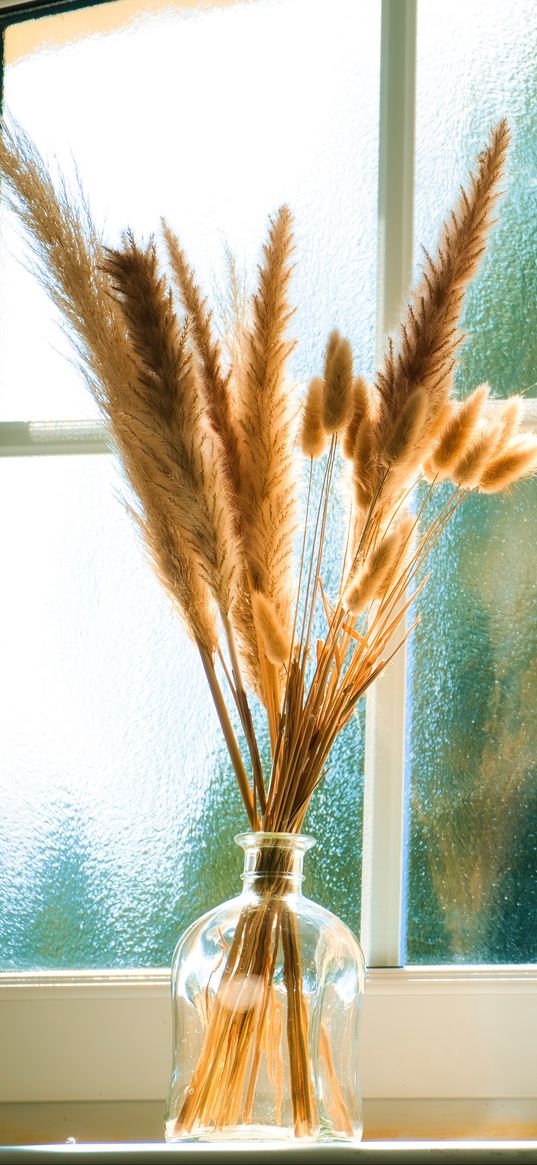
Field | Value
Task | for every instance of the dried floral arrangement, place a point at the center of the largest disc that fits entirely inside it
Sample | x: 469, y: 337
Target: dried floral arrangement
x: 207, y: 439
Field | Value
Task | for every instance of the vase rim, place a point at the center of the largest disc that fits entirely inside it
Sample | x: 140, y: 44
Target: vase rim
x: 300, y: 841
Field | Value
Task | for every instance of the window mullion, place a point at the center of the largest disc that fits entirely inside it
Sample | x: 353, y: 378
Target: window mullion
x: 24, y: 438
x: 382, y: 878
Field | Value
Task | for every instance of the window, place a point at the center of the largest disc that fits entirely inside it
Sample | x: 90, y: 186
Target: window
x: 114, y: 732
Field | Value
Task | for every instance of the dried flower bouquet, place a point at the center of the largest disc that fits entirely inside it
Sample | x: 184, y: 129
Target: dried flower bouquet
x: 207, y: 439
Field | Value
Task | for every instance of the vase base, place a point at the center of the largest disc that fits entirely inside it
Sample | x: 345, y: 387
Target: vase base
x: 260, y: 1134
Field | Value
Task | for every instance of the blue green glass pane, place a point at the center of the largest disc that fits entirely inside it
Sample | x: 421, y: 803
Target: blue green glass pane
x: 212, y: 115
x: 470, y: 893
x: 472, y: 878
x: 477, y: 63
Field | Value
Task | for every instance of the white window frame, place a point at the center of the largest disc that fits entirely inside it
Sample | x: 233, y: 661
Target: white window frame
x: 429, y: 1032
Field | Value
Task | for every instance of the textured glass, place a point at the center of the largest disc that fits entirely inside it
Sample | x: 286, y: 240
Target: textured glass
x: 260, y: 977
x: 472, y: 877
x: 472, y: 740
x: 118, y: 804
x: 212, y: 115
x: 477, y: 62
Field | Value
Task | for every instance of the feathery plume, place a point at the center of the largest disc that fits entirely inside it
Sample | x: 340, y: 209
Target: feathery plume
x: 509, y: 416
x: 365, y: 467
x: 359, y: 410
x: 267, y: 437
x: 408, y: 429
x: 428, y: 336
x: 518, y: 460
x: 461, y: 425
x: 478, y: 452
x: 168, y: 413
x: 214, y: 384
x: 432, y: 430
x: 337, y: 396
x: 331, y: 345
x: 379, y: 566
x: 243, y: 623
x: 146, y: 305
x: 435, y: 425
x: 275, y: 642
x: 312, y: 434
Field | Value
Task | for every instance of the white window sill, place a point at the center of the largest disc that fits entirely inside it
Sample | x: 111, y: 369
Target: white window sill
x: 428, y: 1032
x: 367, y: 1153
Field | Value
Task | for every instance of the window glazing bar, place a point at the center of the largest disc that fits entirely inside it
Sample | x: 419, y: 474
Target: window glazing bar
x: 21, y: 438
x: 382, y: 875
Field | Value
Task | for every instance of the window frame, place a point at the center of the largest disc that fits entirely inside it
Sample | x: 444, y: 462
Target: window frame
x: 429, y: 1032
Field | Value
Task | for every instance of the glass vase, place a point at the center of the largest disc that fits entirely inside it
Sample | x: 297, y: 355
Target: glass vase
x: 266, y: 993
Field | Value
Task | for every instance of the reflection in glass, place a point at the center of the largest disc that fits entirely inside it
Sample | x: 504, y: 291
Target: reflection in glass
x: 472, y: 884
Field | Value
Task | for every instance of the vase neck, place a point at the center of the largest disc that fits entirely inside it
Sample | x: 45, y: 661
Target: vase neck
x: 273, y: 862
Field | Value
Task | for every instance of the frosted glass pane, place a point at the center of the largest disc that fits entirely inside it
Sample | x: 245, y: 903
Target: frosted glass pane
x: 117, y: 802
x: 477, y: 62
x: 471, y: 892
x: 472, y: 878
x: 213, y: 115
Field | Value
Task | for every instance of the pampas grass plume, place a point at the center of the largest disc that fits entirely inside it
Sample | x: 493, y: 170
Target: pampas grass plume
x: 408, y: 428
x: 337, y: 398
x: 518, y: 460
x: 273, y: 638
x: 364, y: 453
x: 458, y: 432
x: 429, y: 335
x: 331, y: 345
x: 267, y: 502
x: 214, y: 384
x: 483, y: 444
x: 379, y: 566
x: 360, y: 409
x: 510, y: 413
x: 312, y: 431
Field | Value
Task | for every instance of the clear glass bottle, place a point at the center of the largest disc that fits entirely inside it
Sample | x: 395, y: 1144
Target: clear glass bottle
x: 266, y: 994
